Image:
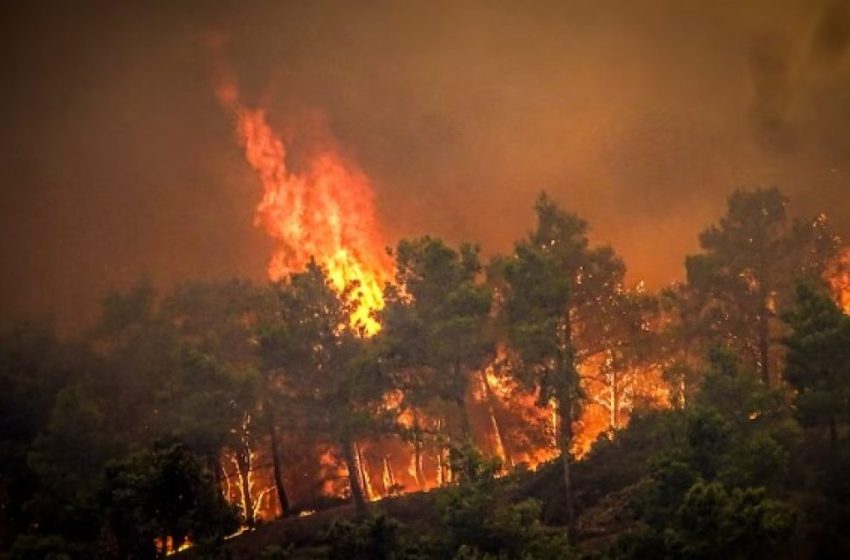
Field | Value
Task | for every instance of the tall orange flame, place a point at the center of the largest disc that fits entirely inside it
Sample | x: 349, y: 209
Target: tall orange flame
x: 323, y: 212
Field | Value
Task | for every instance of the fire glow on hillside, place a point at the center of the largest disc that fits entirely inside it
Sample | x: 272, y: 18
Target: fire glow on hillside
x: 325, y: 212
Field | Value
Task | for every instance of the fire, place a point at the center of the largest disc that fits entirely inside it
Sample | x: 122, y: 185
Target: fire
x: 320, y: 206
x: 323, y: 211
x: 839, y: 279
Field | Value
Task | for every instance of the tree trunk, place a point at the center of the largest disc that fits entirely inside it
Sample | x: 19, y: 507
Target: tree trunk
x: 388, y: 477
x: 460, y: 400
x: 282, y: 499
x: 243, y: 464
x: 228, y: 489
x: 350, y: 455
x: 565, y: 395
x: 764, y: 347
x: 565, y: 438
x: 615, y: 403
x: 501, y: 445
x: 417, y: 452
x: 444, y: 472
x: 465, y: 426
x: 363, y: 470
x: 215, y: 467
x: 243, y: 461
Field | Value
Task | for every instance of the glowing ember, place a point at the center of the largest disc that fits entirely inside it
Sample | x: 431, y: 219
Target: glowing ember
x: 323, y: 212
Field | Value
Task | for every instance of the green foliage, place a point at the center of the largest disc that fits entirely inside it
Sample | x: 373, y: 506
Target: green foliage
x: 321, y: 364
x: 540, y: 286
x: 623, y: 459
x: 373, y: 538
x: 818, y: 368
x: 478, y: 528
x: 276, y: 552
x: 480, y: 523
x: 52, y: 547
x: 224, y: 367
x: 34, y: 369
x: 214, y: 379
x: 470, y: 465
x: 714, y: 522
x: 745, y: 273
x: 818, y: 361
x: 660, y: 496
x: 704, y: 495
x: 742, y: 523
x: 163, y: 493
x: 435, y: 324
x: 321, y: 369
x: 563, y: 302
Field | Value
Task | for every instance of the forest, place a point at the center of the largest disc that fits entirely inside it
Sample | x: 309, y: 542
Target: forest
x: 529, y: 405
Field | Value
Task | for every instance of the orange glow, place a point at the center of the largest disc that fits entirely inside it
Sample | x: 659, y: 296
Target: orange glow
x: 839, y: 279
x: 323, y: 211
x: 319, y: 206
x: 612, y: 395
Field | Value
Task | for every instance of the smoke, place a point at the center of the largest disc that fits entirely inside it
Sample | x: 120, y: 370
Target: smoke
x: 770, y: 75
x: 117, y: 161
x: 832, y: 34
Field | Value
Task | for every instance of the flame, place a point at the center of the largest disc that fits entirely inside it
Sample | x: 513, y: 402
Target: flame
x: 838, y: 276
x: 324, y: 211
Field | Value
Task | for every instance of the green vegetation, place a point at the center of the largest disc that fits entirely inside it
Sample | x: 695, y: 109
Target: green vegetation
x: 150, y: 430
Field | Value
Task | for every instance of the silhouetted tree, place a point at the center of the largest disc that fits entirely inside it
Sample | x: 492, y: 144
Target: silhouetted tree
x: 436, y: 321
x: 163, y: 495
x: 745, y: 274
x: 561, y: 304
x: 818, y: 360
x: 327, y: 371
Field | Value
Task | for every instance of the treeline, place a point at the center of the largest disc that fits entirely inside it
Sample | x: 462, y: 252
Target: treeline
x: 150, y: 430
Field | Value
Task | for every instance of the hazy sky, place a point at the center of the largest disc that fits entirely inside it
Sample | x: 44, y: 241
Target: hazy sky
x: 116, y: 160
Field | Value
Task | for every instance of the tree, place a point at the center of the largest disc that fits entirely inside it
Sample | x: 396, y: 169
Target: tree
x: 217, y: 392
x: 137, y: 352
x: 68, y: 455
x: 561, y: 304
x: 745, y: 274
x: 818, y: 360
x: 478, y: 522
x: 711, y: 521
x: 626, y: 374
x: 34, y: 370
x: 159, y: 498
x: 181, y: 366
x: 683, y: 344
x: 327, y: 372
x: 436, y: 321
x: 706, y: 493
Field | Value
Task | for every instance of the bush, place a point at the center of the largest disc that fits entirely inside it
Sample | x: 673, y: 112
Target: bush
x: 375, y: 538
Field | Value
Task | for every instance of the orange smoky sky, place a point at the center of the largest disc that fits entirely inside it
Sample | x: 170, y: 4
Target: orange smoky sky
x: 117, y: 161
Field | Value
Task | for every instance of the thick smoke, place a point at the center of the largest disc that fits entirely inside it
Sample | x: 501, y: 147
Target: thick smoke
x: 116, y: 160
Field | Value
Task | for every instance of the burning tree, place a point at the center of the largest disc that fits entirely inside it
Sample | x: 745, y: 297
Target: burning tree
x: 214, y: 404
x: 561, y: 306
x: 746, y: 272
x: 326, y: 373
x: 435, y: 332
